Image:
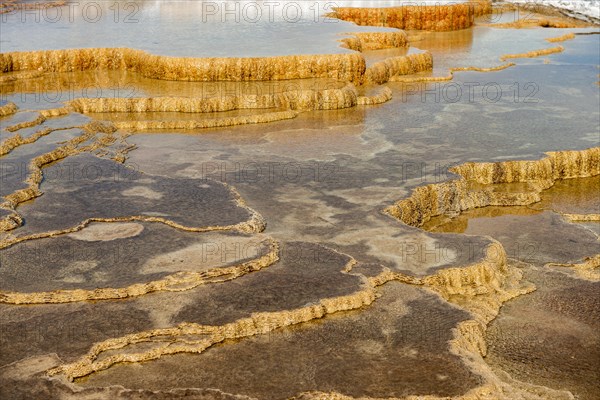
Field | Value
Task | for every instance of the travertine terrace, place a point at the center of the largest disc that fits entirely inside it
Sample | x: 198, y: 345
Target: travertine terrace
x: 477, y: 185
x: 394, y: 201
x: 435, y: 17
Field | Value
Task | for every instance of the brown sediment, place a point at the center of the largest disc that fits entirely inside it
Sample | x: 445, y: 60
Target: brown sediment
x: 463, y: 194
x: 560, y: 23
x: 207, y: 123
x: 180, y: 281
x: 589, y: 269
x: 9, y: 6
x: 8, y: 145
x: 8, y: 109
x: 166, y: 340
x: 363, y: 41
x: 534, y: 53
x: 27, y: 124
x: 254, y: 224
x: 384, y: 71
x: 35, y: 175
x: 42, y: 116
x: 556, y: 165
x: 345, y: 67
x: 450, y: 76
x: 383, y: 95
x: 480, y: 288
x: 11, y: 221
x: 71, y: 147
x: 581, y: 217
x: 550, y: 337
x: 563, y: 38
x: 20, y: 76
x: 483, y: 287
x: 500, y: 389
x: 417, y: 17
x: 450, y: 198
x: 291, y: 101
x: 296, y: 100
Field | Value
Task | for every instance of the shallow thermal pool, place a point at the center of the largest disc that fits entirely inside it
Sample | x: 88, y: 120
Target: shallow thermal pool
x: 386, y: 237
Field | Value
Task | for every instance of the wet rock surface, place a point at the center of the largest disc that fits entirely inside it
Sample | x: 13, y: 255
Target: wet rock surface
x: 550, y: 337
x: 126, y: 193
x: 402, y: 340
x: 116, y: 255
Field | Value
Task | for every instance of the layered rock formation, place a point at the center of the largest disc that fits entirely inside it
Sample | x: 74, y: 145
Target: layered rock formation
x: 298, y: 100
x: 345, y: 67
x: 8, y: 109
x: 437, y: 17
x: 385, y: 71
x: 534, y: 53
x: 291, y: 101
x: 363, y: 41
x: 464, y: 193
